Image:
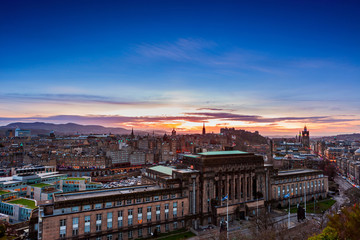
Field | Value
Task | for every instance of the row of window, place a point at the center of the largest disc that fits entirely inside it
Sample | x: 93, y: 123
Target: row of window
x: 120, y: 203
x: 297, y: 179
x: 75, y: 227
x: 293, y: 188
x: 141, y: 232
x: 120, y: 214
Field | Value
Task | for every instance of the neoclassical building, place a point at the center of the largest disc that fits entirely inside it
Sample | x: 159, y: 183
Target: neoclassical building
x: 170, y: 198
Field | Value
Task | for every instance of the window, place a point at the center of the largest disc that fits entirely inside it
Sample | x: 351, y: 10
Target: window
x: 175, y: 225
x: 75, y: 226
x: 120, y: 236
x: 98, y: 206
x: 148, y: 199
x: 130, y: 234
x: 62, y: 228
x: 149, y: 231
x: 173, y: 195
x: 87, y: 224
x: 130, y: 217
x: 86, y: 207
x: 158, y: 228
x: 109, y: 220
x: 156, y: 198
x: 165, y: 197
x: 98, y: 227
x: 157, y: 212
x: 120, y: 218
x: 139, y: 216
x: 140, y: 232
x: 109, y: 237
x: 138, y: 200
x: 128, y: 202
x: 148, y: 216
x: 166, y: 227
x: 167, y: 211
x: 118, y: 203
x: 75, y: 209
x: 175, y: 209
x: 98, y: 222
x: 108, y: 204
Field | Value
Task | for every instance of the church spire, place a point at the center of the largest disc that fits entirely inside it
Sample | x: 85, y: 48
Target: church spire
x: 132, y: 132
x: 203, y: 130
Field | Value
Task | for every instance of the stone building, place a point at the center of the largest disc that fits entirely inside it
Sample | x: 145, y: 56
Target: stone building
x: 301, y: 184
x: 124, y: 213
x: 195, y: 194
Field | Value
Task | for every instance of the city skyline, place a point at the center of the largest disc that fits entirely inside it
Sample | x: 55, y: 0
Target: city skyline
x: 267, y: 66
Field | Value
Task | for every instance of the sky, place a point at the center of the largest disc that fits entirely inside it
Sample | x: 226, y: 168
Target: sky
x: 270, y: 66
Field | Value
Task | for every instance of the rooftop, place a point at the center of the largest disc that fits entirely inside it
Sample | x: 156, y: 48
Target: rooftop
x: 217, y: 153
x: 163, y: 169
x: 191, y: 156
x: 40, y: 185
x: 75, y: 178
x: 296, y: 171
x: 3, y: 192
x: 102, y: 193
x: 27, y: 203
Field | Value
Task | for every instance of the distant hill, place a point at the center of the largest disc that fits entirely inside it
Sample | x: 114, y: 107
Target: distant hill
x: 349, y: 137
x: 66, y: 129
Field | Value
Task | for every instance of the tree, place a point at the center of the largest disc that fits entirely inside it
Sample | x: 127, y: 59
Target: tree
x: 2, y: 230
x: 345, y: 225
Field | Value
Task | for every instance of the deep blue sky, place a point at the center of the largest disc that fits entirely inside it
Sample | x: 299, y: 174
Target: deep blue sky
x: 140, y: 58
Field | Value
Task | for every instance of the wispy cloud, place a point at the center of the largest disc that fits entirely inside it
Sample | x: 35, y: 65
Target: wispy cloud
x: 181, y: 50
x: 187, y: 117
x: 234, y: 60
x: 260, y: 119
x: 77, y: 98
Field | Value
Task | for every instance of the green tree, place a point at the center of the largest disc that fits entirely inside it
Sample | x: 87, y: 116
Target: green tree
x: 342, y: 226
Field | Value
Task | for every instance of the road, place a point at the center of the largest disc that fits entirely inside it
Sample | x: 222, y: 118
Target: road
x: 344, y: 185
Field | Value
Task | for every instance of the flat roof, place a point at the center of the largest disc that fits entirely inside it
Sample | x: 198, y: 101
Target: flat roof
x: 27, y: 203
x: 76, y: 178
x: 40, y: 185
x: 186, y: 170
x: 102, y: 192
x: 163, y: 169
x: 216, y: 153
x: 191, y: 156
x: 2, y: 192
x: 296, y: 171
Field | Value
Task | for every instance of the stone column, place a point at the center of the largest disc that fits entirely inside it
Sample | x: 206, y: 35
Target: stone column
x: 234, y: 179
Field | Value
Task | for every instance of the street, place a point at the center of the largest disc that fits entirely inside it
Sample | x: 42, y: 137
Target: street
x: 344, y: 185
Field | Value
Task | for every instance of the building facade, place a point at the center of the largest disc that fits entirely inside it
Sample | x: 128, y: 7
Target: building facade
x: 124, y: 213
x: 196, y: 193
x: 301, y: 185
